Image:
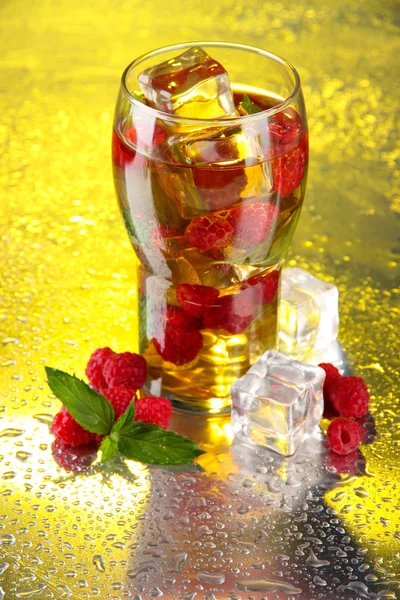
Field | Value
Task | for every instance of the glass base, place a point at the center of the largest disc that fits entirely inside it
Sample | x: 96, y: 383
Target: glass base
x: 195, y: 406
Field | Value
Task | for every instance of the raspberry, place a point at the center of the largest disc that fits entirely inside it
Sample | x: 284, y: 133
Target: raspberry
x: 121, y: 153
x: 94, y: 369
x: 343, y: 435
x: 67, y: 430
x: 252, y: 222
x: 126, y: 369
x: 265, y: 287
x: 196, y: 299
x: 215, y: 185
x: 289, y: 169
x: 179, y: 345
x: 283, y: 132
x: 120, y: 397
x: 332, y: 377
x: 350, y: 397
x: 156, y: 411
x: 177, y: 317
x: 233, y: 313
x: 208, y: 232
x: 74, y: 459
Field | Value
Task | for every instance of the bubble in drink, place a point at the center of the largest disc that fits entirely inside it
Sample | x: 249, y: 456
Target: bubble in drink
x: 309, y: 316
x: 278, y: 403
x: 190, y: 85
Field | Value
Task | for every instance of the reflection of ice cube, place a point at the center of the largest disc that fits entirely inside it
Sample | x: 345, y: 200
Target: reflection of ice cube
x: 309, y: 317
x: 278, y: 403
x: 190, y: 85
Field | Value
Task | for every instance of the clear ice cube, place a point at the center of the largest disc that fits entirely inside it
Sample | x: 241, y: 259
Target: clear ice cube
x: 278, y: 403
x: 225, y: 167
x: 190, y: 85
x: 309, y: 313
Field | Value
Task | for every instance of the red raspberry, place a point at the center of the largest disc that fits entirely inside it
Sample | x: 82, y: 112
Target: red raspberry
x: 343, y: 435
x: 265, y: 287
x: 196, y: 299
x: 217, y: 184
x: 332, y: 376
x: 350, y: 397
x: 74, y: 459
x: 252, y: 222
x: 179, y: 345
x: 289, y: 169
x: 177, y: 317
x: 121, y: 153
x: 208, y: 232
x: 126, y: 369
x: 283, y: 131
x: 120, y: 397
x: 67, y: 430
x: 153, y: 410
x: 94, y: 369
x: 233, y: 313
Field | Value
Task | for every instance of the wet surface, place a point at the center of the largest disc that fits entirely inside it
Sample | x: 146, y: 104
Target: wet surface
x: 243, y: 523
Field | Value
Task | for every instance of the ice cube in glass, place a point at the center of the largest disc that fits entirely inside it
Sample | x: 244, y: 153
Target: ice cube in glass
x: 278, y: 403
x: 190, y: 85
x: 309, y: 313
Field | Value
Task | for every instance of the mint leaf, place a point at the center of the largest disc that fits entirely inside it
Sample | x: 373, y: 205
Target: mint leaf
x: 91, y: 410
x: 108, y: 447
x: 249, y: 106
x: 126, y: 424
x: 151, y: 444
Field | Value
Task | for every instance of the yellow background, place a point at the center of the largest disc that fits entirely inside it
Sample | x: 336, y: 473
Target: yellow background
x: 67, y: 269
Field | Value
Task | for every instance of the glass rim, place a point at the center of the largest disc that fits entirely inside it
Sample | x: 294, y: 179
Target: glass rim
x: 236, y: 120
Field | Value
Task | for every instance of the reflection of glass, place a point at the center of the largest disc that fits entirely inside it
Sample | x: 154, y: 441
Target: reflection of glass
x: 210, y: 202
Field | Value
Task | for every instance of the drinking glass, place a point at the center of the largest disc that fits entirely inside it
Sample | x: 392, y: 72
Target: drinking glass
x: 210, y: 206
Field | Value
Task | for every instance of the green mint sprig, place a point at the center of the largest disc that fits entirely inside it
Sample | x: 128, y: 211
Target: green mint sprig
x: 137, y: 441
x: 249, y: 106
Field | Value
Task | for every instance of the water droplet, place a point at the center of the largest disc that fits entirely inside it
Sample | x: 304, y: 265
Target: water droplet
x: 44, y: 418
x: 313, y: 561
x: 8, y: 362
x: 267, y: 585
x: 65, y: 591
x: 3, y: 567
x: 98, y: 562
x: 177, y: 562
x: 361, y: 492
x: 22, y: 456
x: 9, y: 340
x: 30, y: 592
x: 149, y: 565
x: 11, y: 432
x: 155, y: 592
x: 213, y: 578
x: 6, y: 539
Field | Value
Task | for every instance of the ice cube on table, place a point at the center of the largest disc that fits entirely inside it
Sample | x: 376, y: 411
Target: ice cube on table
x: 190, y: 85
x: 278, y: 403
x: 309, y: 313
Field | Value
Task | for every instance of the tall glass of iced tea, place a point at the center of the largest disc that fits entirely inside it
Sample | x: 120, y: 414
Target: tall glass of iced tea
x: 210, y: 153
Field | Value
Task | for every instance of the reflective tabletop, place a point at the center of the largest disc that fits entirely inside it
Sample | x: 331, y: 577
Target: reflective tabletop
x: 241, y: 523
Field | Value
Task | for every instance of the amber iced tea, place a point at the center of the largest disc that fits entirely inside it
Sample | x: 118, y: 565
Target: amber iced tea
x: 210, y: 205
